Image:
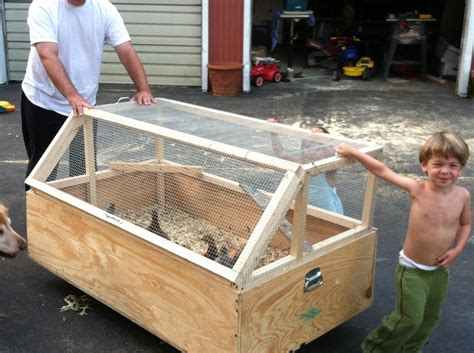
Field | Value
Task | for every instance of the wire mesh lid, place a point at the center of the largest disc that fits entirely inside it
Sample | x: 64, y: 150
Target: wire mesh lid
x: 236, y: 130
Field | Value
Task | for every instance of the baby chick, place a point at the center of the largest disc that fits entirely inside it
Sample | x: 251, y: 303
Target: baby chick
x: 224, y: 258
x: 110, y: 208
x: 211, y: 252
x: 155, y: 227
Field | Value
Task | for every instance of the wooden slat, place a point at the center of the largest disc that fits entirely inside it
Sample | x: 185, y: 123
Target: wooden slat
x: 263, y: 125
x: 56, y: 149
x: 299, y: 220
x: 336, y: 162
x: 269, y: 220
x: 156, y: 167
x: 369, y: 201
x: 90, y: 162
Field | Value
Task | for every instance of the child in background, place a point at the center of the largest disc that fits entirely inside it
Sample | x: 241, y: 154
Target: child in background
x: 322, y: 190
x: 439, y: 228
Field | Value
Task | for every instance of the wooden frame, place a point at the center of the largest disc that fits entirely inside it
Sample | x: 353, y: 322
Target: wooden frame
x: 251, y: 309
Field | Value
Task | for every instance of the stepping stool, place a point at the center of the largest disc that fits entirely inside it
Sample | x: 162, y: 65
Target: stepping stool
x: 400, y: 36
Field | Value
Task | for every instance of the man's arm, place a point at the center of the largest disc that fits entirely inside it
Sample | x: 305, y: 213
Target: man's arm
x: 130, y: 60
x: 48, y: 53
x: 376, y: 167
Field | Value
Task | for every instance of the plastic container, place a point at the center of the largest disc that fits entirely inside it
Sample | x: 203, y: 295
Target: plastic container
x: 226, y: 78
x: 296, y: 5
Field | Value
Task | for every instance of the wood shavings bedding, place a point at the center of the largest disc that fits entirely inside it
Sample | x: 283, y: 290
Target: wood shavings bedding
x: 188, y: 230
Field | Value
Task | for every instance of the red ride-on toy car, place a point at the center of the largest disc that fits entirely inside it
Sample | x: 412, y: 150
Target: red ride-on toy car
x: 265, y: 69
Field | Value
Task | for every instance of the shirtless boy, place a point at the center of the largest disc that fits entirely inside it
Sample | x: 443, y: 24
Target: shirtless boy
x: 439, y: 228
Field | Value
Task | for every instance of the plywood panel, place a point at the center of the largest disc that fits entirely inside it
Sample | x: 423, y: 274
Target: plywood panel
x: 278, y: 315
x: 317, y: 230
x: 180, y: 302
x: 220, y: 206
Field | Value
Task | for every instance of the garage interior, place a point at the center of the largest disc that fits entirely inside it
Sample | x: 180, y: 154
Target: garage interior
x: 373, y: 24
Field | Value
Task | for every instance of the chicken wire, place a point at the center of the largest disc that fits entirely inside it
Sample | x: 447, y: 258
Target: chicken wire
x: 187, y: 212
x: 231, y: 129
x: 213, y: 216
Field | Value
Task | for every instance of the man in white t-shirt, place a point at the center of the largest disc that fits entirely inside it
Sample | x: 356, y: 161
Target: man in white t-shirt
x: 62, y: 76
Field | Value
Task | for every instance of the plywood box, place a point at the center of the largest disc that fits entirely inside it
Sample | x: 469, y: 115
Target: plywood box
x: 214, y: 231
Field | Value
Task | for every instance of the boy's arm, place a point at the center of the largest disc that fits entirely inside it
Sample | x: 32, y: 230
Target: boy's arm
x: 376, y: 167
x: 462, y: 236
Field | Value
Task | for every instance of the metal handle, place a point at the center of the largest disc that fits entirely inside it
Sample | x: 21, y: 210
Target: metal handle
x: 122, y: 99
x: 313, y: 279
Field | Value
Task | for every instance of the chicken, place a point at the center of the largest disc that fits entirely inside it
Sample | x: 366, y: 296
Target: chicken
x: 155, y: 227
x: 224, y: 258
x: 110, y: 208
x: 211, y: 252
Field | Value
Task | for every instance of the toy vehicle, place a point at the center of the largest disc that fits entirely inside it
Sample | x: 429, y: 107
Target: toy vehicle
x: 364, y: 67
x: 265, y: 69
x: 333, y: 54
x: 6, y: 107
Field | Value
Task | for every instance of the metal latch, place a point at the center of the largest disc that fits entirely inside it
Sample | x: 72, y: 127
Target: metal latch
x: 313, y: 279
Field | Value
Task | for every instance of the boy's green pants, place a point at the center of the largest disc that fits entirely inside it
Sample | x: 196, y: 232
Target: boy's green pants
x: 420, y: 296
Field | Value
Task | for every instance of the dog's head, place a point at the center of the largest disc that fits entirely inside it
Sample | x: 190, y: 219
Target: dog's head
x: 11, y: 243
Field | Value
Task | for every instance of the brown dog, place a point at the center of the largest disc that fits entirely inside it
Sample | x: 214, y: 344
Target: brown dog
x: 11, y: 243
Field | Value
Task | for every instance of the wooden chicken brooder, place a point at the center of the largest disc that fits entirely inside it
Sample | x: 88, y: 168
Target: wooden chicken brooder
x: 211, y: 230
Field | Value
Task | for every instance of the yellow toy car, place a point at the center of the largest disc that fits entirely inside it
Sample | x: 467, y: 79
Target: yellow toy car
x: 364, y: 67
x: 6, y: 107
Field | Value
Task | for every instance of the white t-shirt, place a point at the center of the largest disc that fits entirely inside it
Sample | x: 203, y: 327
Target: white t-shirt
x: 80, y: 33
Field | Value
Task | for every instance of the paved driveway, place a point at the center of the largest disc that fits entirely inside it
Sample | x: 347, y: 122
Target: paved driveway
x: 398, y: 116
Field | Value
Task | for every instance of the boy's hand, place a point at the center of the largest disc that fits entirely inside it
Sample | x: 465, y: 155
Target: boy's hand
x: 447, y: 259
x: 344, y: 150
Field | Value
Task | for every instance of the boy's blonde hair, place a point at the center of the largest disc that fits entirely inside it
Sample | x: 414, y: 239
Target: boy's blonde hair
x: 445, y: 144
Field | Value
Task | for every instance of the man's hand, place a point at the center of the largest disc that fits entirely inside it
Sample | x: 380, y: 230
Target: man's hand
x: 78, y: 103
x: 144, y: 97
